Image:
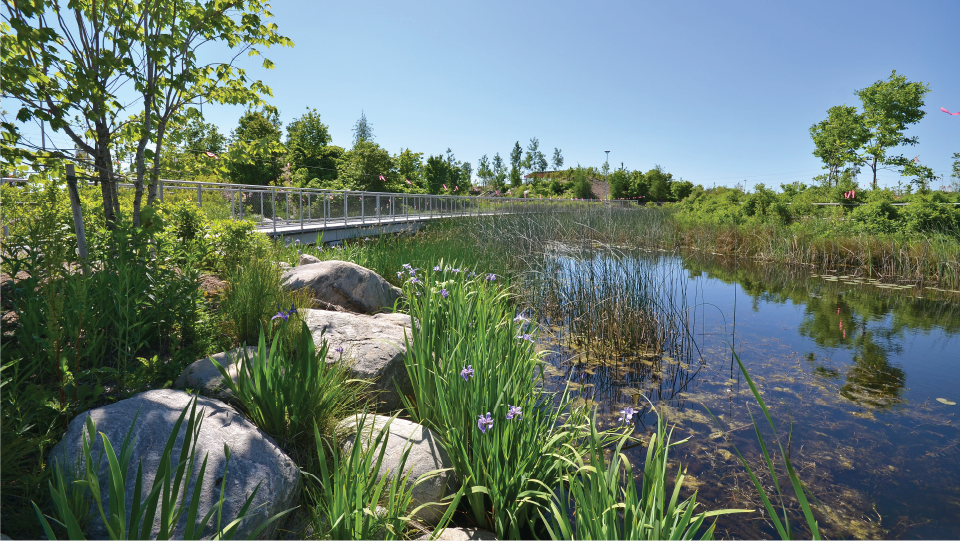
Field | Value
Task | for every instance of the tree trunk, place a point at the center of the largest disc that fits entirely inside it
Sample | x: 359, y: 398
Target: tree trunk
x: 104, y: 166
x: 874, y: 170
x: 155, y: 168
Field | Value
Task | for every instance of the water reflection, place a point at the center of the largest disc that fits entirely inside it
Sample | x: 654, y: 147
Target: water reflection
x: 854, y: 366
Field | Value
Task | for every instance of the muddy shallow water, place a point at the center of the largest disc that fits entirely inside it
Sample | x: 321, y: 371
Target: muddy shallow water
x: 858, y: 366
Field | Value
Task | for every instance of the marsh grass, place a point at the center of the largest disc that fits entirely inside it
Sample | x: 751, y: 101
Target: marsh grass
x: 286, y: 391
x: 353, y: 501
x: 255, y: 294
x: 606, y: 501
x: 473, y: 365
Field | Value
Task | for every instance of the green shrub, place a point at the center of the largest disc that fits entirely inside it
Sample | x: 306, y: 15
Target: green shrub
x: 234, y: 242
x: 923, y: 214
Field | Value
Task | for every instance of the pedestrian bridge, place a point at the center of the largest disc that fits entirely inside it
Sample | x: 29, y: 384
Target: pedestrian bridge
x: 336, y: 215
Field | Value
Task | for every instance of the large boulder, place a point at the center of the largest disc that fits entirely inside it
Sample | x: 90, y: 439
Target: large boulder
x: 204, y: 377
x: 254, y: 457
x: 344, y: 284
x: 426, y: 455
x: 463, y: 534
x: 371, y: 346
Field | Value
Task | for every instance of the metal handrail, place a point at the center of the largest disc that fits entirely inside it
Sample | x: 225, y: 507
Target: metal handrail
x: 280, y: 209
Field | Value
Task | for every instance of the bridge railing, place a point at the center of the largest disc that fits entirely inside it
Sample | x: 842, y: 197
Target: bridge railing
x: 281, y: 209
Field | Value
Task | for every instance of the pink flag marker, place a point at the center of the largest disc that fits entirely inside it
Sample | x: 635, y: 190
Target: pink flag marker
x: 916, y: 160
x: 949, y: 112
x: 212, y: 155
x: 382, y: 178
x: 444, y: 185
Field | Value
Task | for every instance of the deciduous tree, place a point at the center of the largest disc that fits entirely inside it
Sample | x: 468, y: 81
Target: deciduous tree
x: 839, y: 138
x: 889, y: 108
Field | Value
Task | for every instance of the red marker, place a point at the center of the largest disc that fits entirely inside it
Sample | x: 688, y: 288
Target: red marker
x: 949, y: 112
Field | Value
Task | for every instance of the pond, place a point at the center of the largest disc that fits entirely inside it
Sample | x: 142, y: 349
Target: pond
x: 868, y: 373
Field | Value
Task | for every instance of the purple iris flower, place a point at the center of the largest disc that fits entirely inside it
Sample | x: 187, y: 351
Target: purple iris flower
x: 366, y: 238
x: 467, y: 372
x: 297, y: 241
x: 444, y: 293
x: 281, y: 315
x: 406, y: 266
x: 514, y: 411
x: 527, y: 337
x: 414, y: 280
x: 491, y: 277
x: 436, y: 268
x: 400, y: 275
x: 485, y: 423
x: 299, y: 252
x: 626, y: 415
x: 521, y: 318
x: 456, y: 270
x: 339, y: 349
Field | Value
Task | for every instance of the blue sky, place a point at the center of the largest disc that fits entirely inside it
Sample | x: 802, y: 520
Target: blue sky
x: 715, y: 92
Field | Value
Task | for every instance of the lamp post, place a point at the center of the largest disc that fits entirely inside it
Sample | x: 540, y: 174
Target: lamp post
x: 607, y: 166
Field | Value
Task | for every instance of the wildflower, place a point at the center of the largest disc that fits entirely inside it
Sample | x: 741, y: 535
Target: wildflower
x: 514, y: 411
x: 521, y: 318
x: 527, y: 337
x: 299, y: 252
x: 281, y: 315
x: 436, y: 268
x: 297, y: 241
x: 415, y: 280
x: 467, y: 372
x: 626, y: 415
x: 491, y: 277
x: 412, y: 271
x: 456, y: 271
x: 406, y: 266
x: 400, y: 275
x: 366, y: 238
x: 339, y: 349
x: 485, y: 423
x: 444, y: 293
x: 293, y: 309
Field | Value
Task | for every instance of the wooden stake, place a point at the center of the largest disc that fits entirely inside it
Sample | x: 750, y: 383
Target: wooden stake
x: 77, y: 216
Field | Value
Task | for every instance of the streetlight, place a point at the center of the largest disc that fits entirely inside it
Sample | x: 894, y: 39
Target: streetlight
x: 607, y: 167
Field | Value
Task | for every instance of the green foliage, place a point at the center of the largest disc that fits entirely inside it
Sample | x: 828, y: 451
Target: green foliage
x: 363, y: 130
x: 515, y: 170
x: 924, y: 214
x: 509, y: 470
x: 838, y: 139
x: 362, y: 166
x: 581, y: 187
x: 256, y: 151
x: 311, y: 156
x: 352, y: 502
x: 286, y: 392
x: 889, y: 108
x: 606, y: 507
x: 174, y: 472
x: 253, y: 295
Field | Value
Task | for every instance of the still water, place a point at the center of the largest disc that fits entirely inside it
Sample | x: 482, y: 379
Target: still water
x: 858, y: 366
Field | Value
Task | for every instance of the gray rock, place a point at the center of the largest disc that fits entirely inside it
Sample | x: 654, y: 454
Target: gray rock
x: 203, y: 376
x: 463, y: 534
x: 344, y: 284
x: 426, y: 455
x: 373, y: 348
x: 254, y: 457
x: 306, y: 259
